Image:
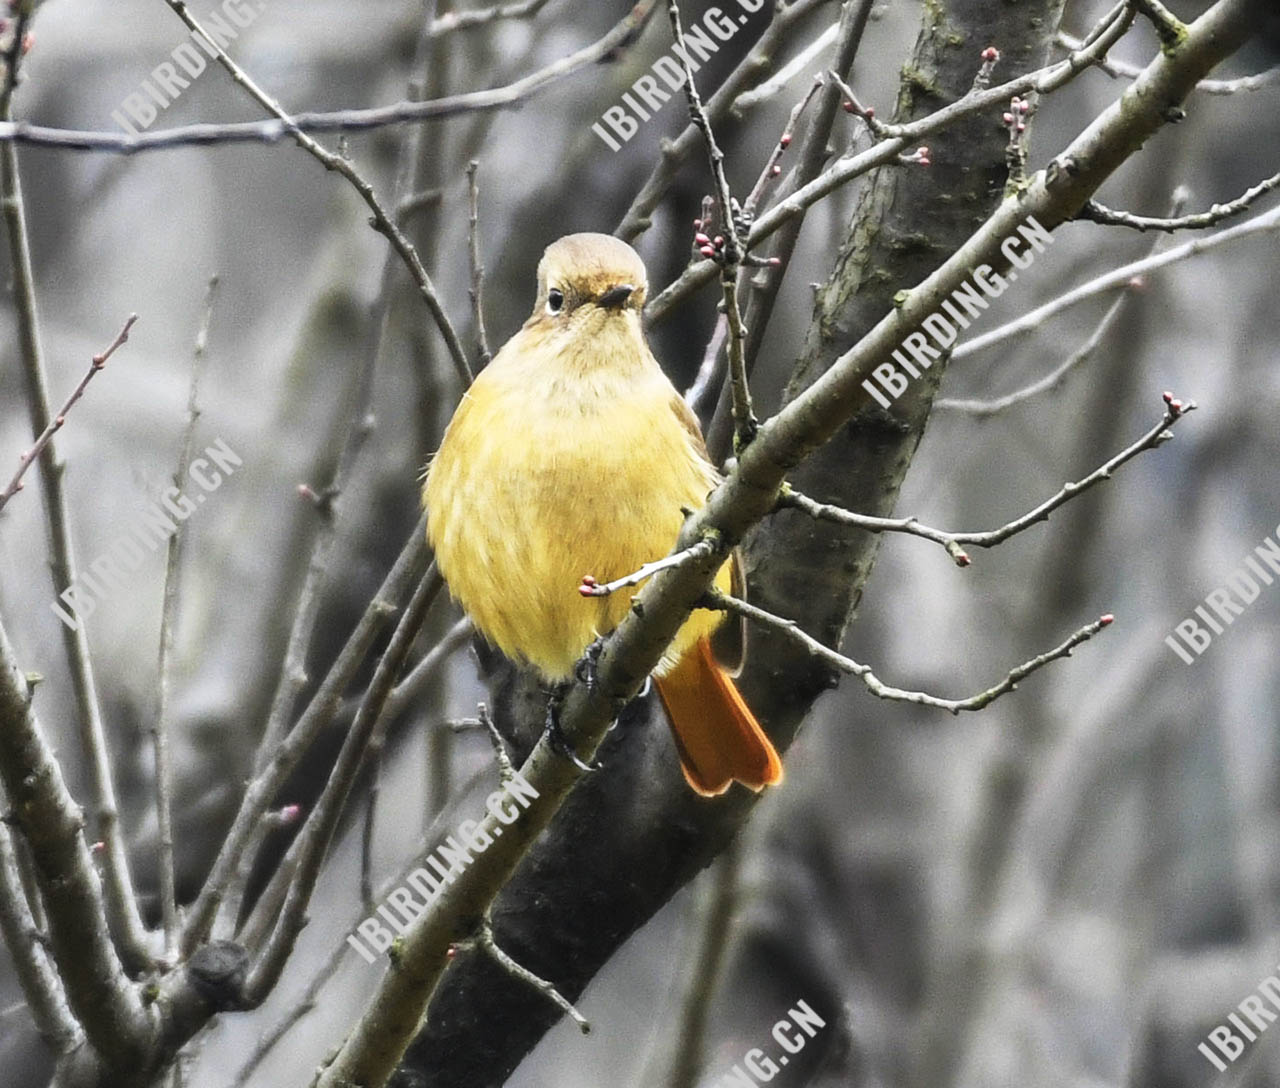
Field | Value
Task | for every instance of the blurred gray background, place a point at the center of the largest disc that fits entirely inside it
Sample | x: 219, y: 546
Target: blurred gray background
x: 1071, y: 888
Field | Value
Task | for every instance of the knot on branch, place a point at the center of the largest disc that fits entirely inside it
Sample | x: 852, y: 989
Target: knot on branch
x: 217, y: 972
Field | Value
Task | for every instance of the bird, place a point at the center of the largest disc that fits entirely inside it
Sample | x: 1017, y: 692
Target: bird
x: 572, y: 455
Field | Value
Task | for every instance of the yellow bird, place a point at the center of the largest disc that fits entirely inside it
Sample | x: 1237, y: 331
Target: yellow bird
x: 572, y: 455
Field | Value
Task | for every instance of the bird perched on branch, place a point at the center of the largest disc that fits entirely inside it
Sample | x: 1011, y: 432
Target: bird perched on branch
x: 573, y: 455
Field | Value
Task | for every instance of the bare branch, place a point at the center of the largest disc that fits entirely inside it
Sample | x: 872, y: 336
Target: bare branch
x: 900, y: 138
x: 45, y: 1001
x: 126, y: 923
x: 381, y: 221
x: 984, y: 408
x: 485, y: 942
x: 725, y: 603
x: 477, y: 269
x: 771, y: 167
x: 1119, y: 69
x: 410, y: 689
x: 1099, y: 213
x: 465, y: 20
x: 777, y: 83
x: 311, y: 845
x: 168, y: 622
x: 1169, y: 29
x: 675, y: 153
x: 693, y: 554
x: 952, y: 541
x: 375, y: 1045
x: 56, y: 423
x: 506, y: 770
x: 106, y: 1003
x: 1117, y: 278
x: 271, y: 132
x: 730, y: 254
x: 284, y: 755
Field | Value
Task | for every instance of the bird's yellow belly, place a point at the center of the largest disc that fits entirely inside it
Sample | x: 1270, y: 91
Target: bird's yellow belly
x: 517, y: 519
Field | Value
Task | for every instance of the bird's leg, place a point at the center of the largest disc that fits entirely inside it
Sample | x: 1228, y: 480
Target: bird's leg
x: 555, y: 735
x: 585, y: 669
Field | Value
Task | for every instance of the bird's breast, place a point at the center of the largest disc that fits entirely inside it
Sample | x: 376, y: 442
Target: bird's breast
x: 536, y: 486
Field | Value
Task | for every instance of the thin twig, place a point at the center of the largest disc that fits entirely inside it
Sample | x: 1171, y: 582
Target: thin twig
x: 693, y: 554
x: 901, y: 138
x: 410, y: 689
x: 26, y: 460
x: 464, y: 20
x: 951, y: 541
x: 506, y: 771
x: 879, y: 129
x: 763, y: 290
x: 777, y: 83
x: 744, y: 76
x: 301, y: 1006
x: 273, y: 131
x: 771, y: 168
x: 168, y: 624
x: 284, y: 756
x: 985, y: 408
x: 1117, y: 278
x: 126, y: 923
x: 724, y: 603
x: 1054, y: 378
x: 312, y: 843
x: 1099, y: 213
x: 381, y: 220
x: 485, y: 942
x: 1119, y: 69
x: 729, y: 255
x: 483, y: 354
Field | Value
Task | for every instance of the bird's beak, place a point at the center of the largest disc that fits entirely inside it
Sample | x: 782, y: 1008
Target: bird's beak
x: 616, y: 297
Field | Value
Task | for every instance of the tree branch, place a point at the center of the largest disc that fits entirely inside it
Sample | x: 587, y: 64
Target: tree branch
x: 725, y: 603
x: 312, y: 844
x: 126, y: 922
x: 1099, y: 213
x: 382, y: 221
x: 676, y: 152
x: 280, y: 761
x: 37, y: 975
x: 371, y: 1051
x: 900, y: 138
x: 362, y: 120
x: 110, y: 1008
x: 952, y: 541
x: 26, y: 460
x: 1117, y: 278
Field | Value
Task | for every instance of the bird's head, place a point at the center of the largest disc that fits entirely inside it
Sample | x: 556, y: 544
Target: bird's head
x: 588, y: 283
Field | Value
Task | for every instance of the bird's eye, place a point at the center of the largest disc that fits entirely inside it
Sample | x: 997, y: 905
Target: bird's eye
x: 555, y: 301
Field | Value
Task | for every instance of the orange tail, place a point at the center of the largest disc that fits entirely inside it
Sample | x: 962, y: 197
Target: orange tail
x: 717, y: 736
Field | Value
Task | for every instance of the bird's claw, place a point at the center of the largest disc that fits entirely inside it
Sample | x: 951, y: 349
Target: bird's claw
x: 585, y: 669
x: 556, y: 738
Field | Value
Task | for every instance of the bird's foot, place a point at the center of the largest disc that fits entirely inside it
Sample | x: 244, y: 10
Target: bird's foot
x: 555, y: 735
x: 585, y: 669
